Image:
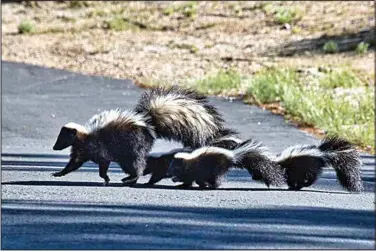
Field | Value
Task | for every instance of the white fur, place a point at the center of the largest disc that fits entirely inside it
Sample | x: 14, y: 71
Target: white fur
x: 78, y: 127
x: 230, y: 138
x: 251, y: 146
x: 204, y: 150
x: 298, y: 150
x: 102, y: 119
x: 172, y: 107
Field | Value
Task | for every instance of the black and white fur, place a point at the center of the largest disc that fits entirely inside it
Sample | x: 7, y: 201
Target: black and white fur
x: 303, y: 164
x: 120, y: 136
x: 207, y: 165
x: 158, y: 164
x: 181, y: 115
x: 126, y: 137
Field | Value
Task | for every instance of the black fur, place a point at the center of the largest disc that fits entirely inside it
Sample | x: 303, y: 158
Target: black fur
x: 207, y: 170
x: 157, y: 166
x: 178, y: 129
x: 126, y: 144
x: 209, y: 167
x: 130, y: 146
x: 302, y: 171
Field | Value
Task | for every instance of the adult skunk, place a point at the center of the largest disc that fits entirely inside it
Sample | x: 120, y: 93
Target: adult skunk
x: 207, y: 165
x: 304, y: 164
x: 126, y: 137
x: 157, y: 164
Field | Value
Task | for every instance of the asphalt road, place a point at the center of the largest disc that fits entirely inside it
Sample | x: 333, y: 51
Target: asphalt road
x: 77, y: 212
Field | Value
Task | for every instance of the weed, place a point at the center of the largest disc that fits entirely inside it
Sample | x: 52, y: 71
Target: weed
x: 362, y: 48
x: 26, y: 27
x: 269, y: 85
x: 284, y: 15
x: 222, y: 81
x: 330, y: 47
x: 339, y: 78
x: 192, y: 48
x: 96, y: 13
x: 77, y: 4
x: 117, y: 24
x: 189, y: 10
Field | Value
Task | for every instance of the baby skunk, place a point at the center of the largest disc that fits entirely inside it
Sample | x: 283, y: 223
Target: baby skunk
x: 126, y: 137
x: 304, y: 164
x: 158, y: 164
x: 207, y: 165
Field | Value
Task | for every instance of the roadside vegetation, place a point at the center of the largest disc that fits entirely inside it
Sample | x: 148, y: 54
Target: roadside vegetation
x: 312, y: 63
x: 334, y: 100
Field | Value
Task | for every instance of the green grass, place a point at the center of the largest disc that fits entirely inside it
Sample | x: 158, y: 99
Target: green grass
x: 26, y: 27
x: 191, y: 47
x: 78, y: 4
x: 336, y: 101
x: 119, y: 24
x: 341, y: 77
x: 284, y: 15
x: 362, y: 48
x: 219, y: 83
x: 188, y: 9
x: 269, y: 85
x: 330, y: 47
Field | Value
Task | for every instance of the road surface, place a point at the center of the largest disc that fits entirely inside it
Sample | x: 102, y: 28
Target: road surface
x: 77, y: 212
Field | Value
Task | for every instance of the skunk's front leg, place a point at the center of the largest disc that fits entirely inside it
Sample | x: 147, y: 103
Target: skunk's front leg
x: 73, y: 164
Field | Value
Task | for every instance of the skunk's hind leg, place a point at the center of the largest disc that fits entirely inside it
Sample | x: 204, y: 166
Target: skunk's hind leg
x: 135, y: 171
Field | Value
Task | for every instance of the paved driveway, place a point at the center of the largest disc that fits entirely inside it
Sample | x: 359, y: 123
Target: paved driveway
x: 77, y: 212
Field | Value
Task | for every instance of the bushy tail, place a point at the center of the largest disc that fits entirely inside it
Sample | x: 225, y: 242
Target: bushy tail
x: 304, y: 164
x: 256, y: 158
x: 344, y: 158
x: 228, y: 139
x: 180, y: 114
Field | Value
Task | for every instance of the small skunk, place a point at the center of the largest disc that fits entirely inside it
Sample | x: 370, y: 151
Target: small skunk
x: 126, y: 137
x: 300, y: 165
x: 304, y: 164
x: 158, y: 165
x: 207, y: 165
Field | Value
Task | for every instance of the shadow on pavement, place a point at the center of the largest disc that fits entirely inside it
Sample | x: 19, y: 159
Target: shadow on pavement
x: 98, y: 226
x: 156, y: 186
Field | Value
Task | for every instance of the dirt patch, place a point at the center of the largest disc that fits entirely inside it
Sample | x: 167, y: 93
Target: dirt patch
x: 176, y: 41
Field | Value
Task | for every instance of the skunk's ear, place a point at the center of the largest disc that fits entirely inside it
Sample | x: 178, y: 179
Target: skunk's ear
x: 66, y: 138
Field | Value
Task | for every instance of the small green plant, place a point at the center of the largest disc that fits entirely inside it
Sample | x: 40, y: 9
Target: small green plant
x: 191, y: 47
x: 26, y: 27
x: 362, y: 48
x: 77, y: 4
x: 221, y: 82
x: 117, y: 24
x: 96, y: 13
x: 330, y: 47
x: 284, y: 15
x: 188, y: 9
